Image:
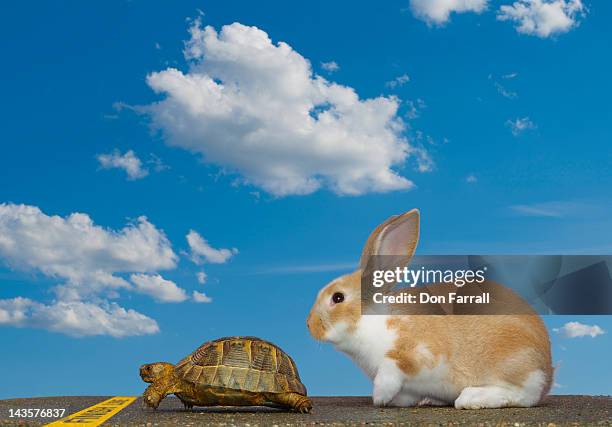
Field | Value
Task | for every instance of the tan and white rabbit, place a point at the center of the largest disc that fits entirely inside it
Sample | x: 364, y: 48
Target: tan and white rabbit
x: 473, y: 361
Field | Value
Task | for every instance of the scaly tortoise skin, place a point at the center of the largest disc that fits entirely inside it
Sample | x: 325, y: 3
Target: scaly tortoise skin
x: 230, y: 371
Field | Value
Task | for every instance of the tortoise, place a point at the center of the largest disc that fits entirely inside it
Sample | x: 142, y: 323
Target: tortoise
x: 229, y: 371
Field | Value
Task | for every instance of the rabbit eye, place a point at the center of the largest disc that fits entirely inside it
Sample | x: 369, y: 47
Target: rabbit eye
x: 338, y: 297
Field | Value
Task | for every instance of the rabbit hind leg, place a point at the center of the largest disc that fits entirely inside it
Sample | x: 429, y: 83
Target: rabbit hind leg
x: 503, y: 395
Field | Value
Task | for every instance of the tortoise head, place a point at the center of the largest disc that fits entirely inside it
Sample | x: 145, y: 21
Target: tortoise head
x: 153, y: 371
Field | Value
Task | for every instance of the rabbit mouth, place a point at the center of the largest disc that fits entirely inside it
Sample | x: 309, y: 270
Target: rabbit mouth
x: 336, y: 333
x: 318, y: 327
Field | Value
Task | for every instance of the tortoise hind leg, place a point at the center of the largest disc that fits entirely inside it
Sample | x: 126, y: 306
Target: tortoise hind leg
x: 187, y: 404
x: 295, y: 401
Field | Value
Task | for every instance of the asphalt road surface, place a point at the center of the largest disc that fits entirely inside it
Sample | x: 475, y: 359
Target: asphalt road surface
x: 557, y: 410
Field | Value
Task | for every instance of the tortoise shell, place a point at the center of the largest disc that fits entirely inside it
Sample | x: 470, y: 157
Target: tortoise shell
x: 241, y: 363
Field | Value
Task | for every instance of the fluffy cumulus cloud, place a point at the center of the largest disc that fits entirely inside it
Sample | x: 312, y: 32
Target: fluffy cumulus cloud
x: 254, y: 107
x: 76, y: 318
x: 160, y: 289
x: 202, y: 251
x: 201, y: 297
x: 437, y: 12
x: 84, y: 255
x: 578, y: 330
x: 128, y: 162
x: 543, y: 18
x: 90, y: 263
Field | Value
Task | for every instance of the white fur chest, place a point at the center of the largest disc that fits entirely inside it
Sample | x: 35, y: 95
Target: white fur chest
x: 368, y: 344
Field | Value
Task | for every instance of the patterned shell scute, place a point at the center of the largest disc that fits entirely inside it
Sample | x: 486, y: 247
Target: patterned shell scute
x: 241, y: 363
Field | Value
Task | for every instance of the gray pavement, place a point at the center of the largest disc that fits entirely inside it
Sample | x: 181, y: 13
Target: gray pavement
x: 557, y: 410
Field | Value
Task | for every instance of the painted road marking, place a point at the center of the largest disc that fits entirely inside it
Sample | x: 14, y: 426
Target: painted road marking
x: 96, y: 414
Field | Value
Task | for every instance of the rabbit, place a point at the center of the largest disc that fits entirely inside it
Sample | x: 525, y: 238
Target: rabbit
x: 471, y: 361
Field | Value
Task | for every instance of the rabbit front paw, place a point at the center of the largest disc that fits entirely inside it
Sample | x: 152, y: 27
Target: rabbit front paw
x: 387, y: 383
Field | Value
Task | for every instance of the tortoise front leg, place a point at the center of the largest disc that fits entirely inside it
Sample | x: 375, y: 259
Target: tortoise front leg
x: 153, y: 395
x: 159, y: 389
x: 295, y: 401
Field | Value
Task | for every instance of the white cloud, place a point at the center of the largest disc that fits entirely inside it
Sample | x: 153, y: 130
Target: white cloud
x: 538, y: 210
x: 520, y: 125
x: 330, y: 67
x: 471, y: 179
x: 509, y: 75
x: 157, y: 163
x: 91, y: 263
x: 201, y: 297
x: 414, y: 108
x: 128, y: 162
x: 76, y: 318
x: 255, y: 108
x: 424, y: 161
x: 543, y: 18
x: 201, y: 276
x: 201, y: 251
x: 438, y: 11
x: 86, y: 256
x: 159, y: 288
x: 577, y: 329
x: 554, y: 209
x: 398, y: 81
x: 505, y: 92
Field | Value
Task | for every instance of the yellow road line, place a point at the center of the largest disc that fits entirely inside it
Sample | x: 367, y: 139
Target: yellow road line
x: 96, y: 414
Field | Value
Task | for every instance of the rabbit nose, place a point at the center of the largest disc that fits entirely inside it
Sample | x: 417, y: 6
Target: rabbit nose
x: 310, y: 322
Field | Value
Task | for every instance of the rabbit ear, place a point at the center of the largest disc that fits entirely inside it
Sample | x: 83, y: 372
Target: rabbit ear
x: 397, y: 236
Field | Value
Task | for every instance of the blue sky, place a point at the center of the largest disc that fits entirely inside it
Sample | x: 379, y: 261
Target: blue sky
x: 508, y: 151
